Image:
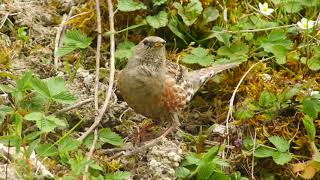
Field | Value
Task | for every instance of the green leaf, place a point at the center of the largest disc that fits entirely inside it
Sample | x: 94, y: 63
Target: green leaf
x: 45, y: 150
x: 220, y: 176
x: 205, y: 170
x: 192, y: 159
x: 74, y: 39
x: 159, y: 20
x: 34, y: 103
x: 173, y: 26
x: 182, y: 172
x: 311, y: 106
x: 263, y: 152
x: 56, y: 85
x: 277, y: 43
x: 66, y: 49
x: 34, y: 116
x: 290, y: 6
x: 236, y: 52
x: 130, y: 5
x: 200, y: 56
x: 209, y: 14
x: 189, y: 13
x: 89, y: 140
x: 267, y: 99
x: 64, y: 97
x: 159, y: 2
x: 280, y: 143
x: 68, y: 144
x: 17, y: 119
x: 125, y: 50
x: 118, y: 175
x: 23, y: 83
x: 314, y: 63
x: 32, y: 136
x: 4, y: 110
x: 281, y: 158
x: 107, y: 136
x: 56, y: 121
x: 40, y: 87
x: 248, y: 143
x: 289, y: 93
x: 310, y: 127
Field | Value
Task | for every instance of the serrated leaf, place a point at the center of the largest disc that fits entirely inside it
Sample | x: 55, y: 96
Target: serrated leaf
x: 4, y: 110
x: 68, y: 144
x: 263, y: 152
x: 40, y: 87
x: 45, y: 125
x: 57, y: 121
x: 281, y: 158
x: 209, y: 14
x: 159, y: 2
x: 45, y: 150
x: 64, y: 97
x: 74, y: 39
x: 56, y: 85
x: 130, y: 5
x: 289, y: 93
x: 159, y: 20
x: 280, y: 143
x: 200, y: 56
x: 189, y: 13
x: 277, y: 43
x: 182, y: 172
x: 34, y: 103
x: 107, y: 136
x: 311, y: 106
x: 65, y: 50
x: 23, y: 82
x: 118, y: 175
x: 34, y: 116
x: 125, y: 50
x: 267, y: 99
x: 310, y: 127
x: 236, y: 52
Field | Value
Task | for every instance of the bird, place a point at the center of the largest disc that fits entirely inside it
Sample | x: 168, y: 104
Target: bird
x: 156, y: 87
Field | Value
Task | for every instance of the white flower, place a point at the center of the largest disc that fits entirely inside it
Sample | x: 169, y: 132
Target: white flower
x: 264, y: 9
x: 305, y: 23
x: 314, y: 93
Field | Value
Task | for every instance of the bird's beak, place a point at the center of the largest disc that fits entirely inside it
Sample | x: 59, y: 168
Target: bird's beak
x: 158, y: 44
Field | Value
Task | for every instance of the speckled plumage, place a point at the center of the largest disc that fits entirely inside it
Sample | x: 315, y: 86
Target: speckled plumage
x: 155, y: 87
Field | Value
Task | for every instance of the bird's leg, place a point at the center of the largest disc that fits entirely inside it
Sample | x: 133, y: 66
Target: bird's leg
x: 175, y: 124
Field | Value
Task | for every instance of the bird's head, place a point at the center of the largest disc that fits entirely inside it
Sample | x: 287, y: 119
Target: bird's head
x: 150, y: 51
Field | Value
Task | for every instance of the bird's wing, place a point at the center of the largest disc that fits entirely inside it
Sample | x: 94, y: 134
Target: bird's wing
x: 199, y: 77
x: 176, y: 71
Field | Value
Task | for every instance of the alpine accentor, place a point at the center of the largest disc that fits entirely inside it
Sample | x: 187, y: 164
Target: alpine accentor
x: 157, y: 88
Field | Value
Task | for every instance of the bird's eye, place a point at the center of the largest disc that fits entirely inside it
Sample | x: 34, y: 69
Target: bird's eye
x: 145, y: 43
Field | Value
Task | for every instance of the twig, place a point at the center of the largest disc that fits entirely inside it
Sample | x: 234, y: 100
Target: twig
x: 58, y: 41
x: 79, y: 104
x: 93, y: 146
x: 4, y: 20
x: 99, y: 39
x: 229, y: 116
x: 254, y: 147
x: 111, y: 77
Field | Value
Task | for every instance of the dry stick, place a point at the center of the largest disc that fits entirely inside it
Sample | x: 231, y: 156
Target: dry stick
x: 111, y: 77
x: 79, y: 104
x: 59, y: 34
x: 93, y: 146
x: 229, y: 116
x: 254, y: 148
x: 96, y: 87
x: 4, y: 20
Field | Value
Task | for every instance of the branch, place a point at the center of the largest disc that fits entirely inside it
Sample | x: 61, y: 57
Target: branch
x: 111, y: 77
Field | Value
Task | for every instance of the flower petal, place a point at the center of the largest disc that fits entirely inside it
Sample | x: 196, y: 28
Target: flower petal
x: 270, y: 10
x: 300, y: 25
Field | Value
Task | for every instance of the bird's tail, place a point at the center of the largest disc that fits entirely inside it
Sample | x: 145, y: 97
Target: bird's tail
x: 199, y: 77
